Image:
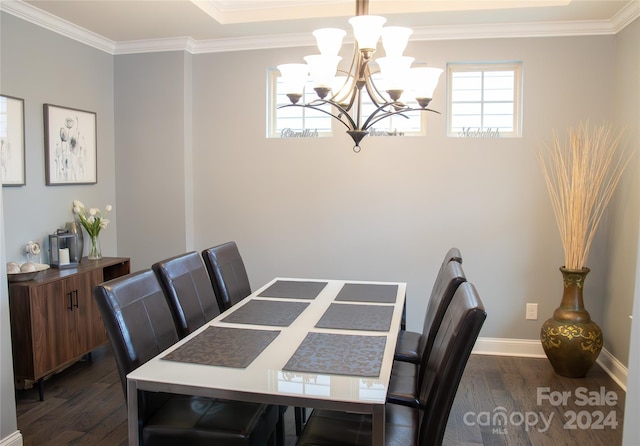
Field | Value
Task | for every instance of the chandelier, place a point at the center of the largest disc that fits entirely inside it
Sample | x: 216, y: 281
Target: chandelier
x: 344, y: 92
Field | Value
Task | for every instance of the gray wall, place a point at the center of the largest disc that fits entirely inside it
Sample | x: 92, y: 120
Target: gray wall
x: 623, y: 220
x: 152, y: 154
x: 43, y: 67
x: 625, y: 229
x: 185, y: 136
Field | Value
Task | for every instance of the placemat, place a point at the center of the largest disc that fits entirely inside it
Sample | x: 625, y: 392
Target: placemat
x: 222, y: 346
x: 357, y: 317
x: 338, y: 354
x: 294, y: 289
x: 368, y: 292
x: 265, y: 312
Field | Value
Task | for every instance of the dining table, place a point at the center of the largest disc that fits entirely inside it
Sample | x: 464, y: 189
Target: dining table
x: 315, y: 343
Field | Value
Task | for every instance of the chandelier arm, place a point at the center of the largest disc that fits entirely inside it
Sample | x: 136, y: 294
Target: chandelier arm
x: 349, y: 86
x: 373, y: 92
x: 352, y: 98
x: 343, y: 112
x: 381, y: 108
x: 337, y: 117
x: 386, y: 114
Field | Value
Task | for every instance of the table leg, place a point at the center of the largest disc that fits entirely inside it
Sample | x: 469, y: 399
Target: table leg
x: 132, y: 411
x: 378, y: 425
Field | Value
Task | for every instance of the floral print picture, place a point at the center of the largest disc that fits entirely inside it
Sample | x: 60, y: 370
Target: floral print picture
x: 70, y: 146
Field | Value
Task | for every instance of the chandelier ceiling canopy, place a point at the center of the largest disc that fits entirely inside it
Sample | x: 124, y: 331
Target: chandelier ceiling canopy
x: 344, y: 92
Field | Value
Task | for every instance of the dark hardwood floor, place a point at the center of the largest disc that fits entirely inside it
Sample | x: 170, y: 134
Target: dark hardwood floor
x: 84, y: 405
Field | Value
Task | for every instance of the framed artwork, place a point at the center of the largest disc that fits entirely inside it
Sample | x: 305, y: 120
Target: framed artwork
x: 70, y: 146
x: 12, y: 165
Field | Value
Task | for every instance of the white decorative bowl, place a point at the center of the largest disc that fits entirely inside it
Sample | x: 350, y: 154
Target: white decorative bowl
x: 29, y: 275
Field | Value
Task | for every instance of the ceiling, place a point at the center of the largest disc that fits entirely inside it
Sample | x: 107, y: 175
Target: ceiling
x: 118, y: 23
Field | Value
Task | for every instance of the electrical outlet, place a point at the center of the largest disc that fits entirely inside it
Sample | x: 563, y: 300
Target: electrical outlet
x: 532, y: 312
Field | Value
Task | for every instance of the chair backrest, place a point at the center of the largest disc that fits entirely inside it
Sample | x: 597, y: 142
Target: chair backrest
x: 453, y: 255
x: 188, y: 290
x: 451, y: 350
x: 137, y: 318
x: 447, y: 282
x: 227, y: 273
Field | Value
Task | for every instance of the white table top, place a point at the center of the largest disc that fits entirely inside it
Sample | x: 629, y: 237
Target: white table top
x: 264, y: 379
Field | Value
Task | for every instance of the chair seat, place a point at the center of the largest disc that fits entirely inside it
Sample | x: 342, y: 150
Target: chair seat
x: 409, y: 347
x: 403, y: 385
x: 196, y: 421
x: 329, y: 428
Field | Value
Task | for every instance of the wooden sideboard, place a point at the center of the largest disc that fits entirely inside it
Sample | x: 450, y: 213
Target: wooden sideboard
x: 54, y: 319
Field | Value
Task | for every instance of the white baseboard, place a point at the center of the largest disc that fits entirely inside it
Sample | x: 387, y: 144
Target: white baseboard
x: 532, y: 348
x: 614, y: 368
x: 529, y: 348
x: 15, y: 439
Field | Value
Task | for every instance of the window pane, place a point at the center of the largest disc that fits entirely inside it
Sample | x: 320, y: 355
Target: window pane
x: 499, y: 95
x: 499, y: 121
x: 466, y: 109
x: 483, y: 97
x: 499, y: 109
x: 465, y: 121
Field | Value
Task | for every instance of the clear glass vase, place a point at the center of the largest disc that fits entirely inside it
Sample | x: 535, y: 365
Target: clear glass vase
x: 96, y: 252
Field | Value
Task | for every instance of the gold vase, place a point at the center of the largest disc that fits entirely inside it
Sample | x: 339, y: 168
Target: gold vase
x: 571, y: 340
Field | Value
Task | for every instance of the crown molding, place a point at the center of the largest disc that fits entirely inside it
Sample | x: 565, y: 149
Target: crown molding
x: 460, y: 32
x: 626, y: 15
x: 50, y: 22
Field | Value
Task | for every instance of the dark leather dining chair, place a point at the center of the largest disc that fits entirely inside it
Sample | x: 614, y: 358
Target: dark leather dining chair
x: 405, y: 381
x: 406, y: 426
x: 140, y: 325
x: 188, y: 290
x: 411, y: 344
x: 227, y: 273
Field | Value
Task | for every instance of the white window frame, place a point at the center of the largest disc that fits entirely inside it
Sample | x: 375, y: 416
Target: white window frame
x: 483, y: 130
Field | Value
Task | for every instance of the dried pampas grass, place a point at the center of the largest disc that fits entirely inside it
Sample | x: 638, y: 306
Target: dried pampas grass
x: 581, y: 175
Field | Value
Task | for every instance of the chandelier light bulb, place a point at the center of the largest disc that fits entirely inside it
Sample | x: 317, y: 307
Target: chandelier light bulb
x: 322, y: 69
x: 395, y: 73
x: 329, y: 40
x: 424, y: 81
x: 395, y: 39
x: 294, y: 77
x: 367, y: 30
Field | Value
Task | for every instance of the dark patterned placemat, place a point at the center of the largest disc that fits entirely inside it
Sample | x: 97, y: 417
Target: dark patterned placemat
x: 222, y: 346
x: 357, y: 317
x: 338, y: 354
x: 368, y: 292
x: 294, y: 289
x: 266, y: 312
